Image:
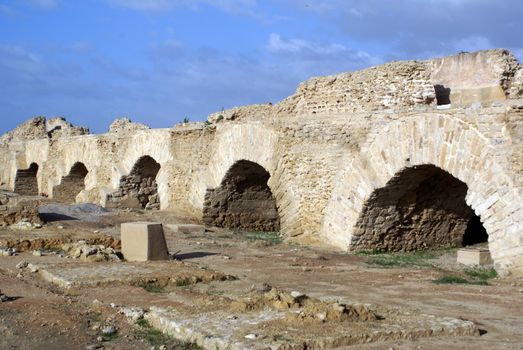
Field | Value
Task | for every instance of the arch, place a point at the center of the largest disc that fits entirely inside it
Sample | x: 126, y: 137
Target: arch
x: 72, y: 184
x: 447, y: 143
x: 243, y: 200
x: 259, y: 144
x: 420, y: 207
x: 139, y: 188
x: 26, y: 182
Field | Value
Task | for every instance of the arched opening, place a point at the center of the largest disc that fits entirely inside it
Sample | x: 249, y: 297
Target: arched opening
x: 72, y: 184
x: 138, y: 189
x: 26, y: 183
x: 243, y: 200
x: 421, y: 207
x: 442, y: 95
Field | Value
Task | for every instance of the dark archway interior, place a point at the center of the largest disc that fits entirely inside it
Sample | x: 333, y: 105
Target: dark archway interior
x: 475, y: 232
x: 243, y: 200
x: 442, y: 95
x: 72, y: 184
x: 26, y: 182
x: 421, y: 207
x: 138, y: 189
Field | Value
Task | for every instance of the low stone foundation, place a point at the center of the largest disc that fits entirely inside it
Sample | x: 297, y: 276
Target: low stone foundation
x: 14, y: 208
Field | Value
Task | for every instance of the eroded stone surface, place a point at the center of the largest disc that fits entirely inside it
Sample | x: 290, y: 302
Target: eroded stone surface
x: 328, y: 149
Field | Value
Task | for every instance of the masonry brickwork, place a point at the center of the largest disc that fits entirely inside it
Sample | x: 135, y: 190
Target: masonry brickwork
x: 336, y: 150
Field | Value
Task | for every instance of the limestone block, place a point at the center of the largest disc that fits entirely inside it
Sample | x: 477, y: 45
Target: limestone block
x: 143, y: 241
x: 474, y: 256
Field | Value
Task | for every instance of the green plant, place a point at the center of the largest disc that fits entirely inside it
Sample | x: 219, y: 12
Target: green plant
x: 183, y: 282
x: 448, y: 279
x: 482, y: 274
x: 185, y: 120
x: 419, y: 259
x: 220, y: 117
x: 155, y: 337
x: 154, y: 288
x: 110, y: 336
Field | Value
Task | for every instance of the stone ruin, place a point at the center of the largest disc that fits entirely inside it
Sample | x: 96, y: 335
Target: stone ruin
x: 403, y: 156
x: 138, y: 189
x: 243, y: 200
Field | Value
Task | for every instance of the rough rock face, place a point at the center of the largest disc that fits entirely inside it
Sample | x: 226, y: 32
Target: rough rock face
x: 26, y: 182
x: 139, y: 189
x: 126, y: 126
x: 32, y: 129
x: 59, y: 127
x: 14, y: 208
x: 331, y: 150
x: 242, y: 201
x: 41, y: 128
x: 421, y: 207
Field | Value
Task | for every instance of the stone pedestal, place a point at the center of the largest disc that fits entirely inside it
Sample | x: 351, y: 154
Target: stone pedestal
x: 474, y: 256
x: 143, y: 241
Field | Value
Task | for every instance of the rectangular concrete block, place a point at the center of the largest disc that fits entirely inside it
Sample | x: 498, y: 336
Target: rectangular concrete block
x: 474, y: 256
x: 143, y: 241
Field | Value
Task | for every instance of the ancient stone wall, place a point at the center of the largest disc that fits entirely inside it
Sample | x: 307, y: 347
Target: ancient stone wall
x: 26, y: 182
x: 138, y: 189
x: 335, y: 152
x: 420, y: 207
x: 72, y: 184
x: 14, y: 209
x: 243, y: 200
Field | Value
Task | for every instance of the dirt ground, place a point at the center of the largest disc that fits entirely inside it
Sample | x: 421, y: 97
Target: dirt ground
x: 39, y: 315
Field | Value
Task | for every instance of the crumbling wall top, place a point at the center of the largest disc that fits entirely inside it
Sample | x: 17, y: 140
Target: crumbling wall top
x: 124, y: 126
x: 477, y: 77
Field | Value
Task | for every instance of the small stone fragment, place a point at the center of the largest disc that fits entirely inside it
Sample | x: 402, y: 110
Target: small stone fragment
x: 22, y: 264
x: 109, y: 330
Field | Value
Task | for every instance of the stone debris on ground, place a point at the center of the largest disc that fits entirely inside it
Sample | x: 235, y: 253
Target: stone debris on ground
x: 3, y: 297
x: 93, y: 253
x: 7, y: 251
x: 133, y: 313
x: 22, y: 264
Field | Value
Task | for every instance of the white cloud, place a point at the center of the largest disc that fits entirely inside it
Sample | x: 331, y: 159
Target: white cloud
x: 314, y: 50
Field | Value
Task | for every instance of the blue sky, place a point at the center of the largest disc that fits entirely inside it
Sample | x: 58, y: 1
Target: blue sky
x: 159, y: 61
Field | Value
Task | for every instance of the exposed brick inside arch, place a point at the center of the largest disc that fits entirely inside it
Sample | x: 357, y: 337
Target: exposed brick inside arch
x: 26, y: 182
x: 243, y: 200
x: 72, y: 184
x: 138, y: 189
x: 421, y: 207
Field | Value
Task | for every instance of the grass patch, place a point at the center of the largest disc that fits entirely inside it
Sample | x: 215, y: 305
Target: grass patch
x: 156, y: 338
x: 109, y: 337
x: 213, y: 291
x: 482, y: 274
x: 270, y: 237
x: 458, y: 280
x: 182, y: 282
x: 477, y: 276
x: 154, y: 288
x: 420, y: 259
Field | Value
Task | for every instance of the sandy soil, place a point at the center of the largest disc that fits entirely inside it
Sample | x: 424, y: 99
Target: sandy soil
x: 44, y: 317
